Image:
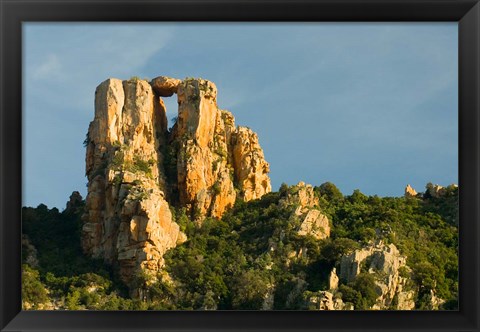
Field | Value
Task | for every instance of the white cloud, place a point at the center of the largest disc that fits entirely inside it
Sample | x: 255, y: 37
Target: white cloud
x: 49, y: 67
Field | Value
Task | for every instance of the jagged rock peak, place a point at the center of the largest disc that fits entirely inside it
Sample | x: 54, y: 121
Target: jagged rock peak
x: 215, y: 159
x: 410, y: 192
x: 137, y: 169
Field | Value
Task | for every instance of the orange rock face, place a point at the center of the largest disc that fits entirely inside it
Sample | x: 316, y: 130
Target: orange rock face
x: 251, y: 169
x: 137, y: 170
x: 127, y: 221
x: 204, y: 184
x: 214, y: 156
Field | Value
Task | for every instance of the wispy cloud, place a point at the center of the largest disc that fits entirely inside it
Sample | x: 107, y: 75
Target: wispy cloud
x: 48, y: 68
x: 83, y: 55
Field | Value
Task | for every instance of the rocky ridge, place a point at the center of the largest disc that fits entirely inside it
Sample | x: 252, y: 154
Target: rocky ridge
x: 138, y: 170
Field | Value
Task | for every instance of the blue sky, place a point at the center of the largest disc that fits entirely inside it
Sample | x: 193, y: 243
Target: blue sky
x: 369, y: 106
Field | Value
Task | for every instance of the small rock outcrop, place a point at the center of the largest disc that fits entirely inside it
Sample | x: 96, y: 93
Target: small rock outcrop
x: 325, y: 300
x: 333, y: 279
x: 386, y: 263
x: 434, y: 302
x: 435, y: 190
x: 410, y: 192
x: 138, y: 170
x: 314, y: 222
x: 301, y: 195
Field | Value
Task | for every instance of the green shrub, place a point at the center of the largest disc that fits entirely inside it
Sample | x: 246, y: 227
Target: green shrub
x: 33, y: 290
x: 134, y: 79
x: 231, y: 263
x: 216, y: 188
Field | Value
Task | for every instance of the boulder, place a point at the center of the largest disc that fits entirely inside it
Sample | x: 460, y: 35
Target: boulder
x: 165, y: 86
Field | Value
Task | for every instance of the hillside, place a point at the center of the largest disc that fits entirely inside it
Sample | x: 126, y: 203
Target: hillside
x: 230, y: 264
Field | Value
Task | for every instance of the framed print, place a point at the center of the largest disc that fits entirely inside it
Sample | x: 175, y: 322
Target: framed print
x: 239, y: 165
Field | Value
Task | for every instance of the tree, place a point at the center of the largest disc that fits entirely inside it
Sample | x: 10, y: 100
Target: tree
x: 335, y: 249
x: 248, y: 290
x: 364, y: 283
x: 330, y: 191
x: 33, y: 291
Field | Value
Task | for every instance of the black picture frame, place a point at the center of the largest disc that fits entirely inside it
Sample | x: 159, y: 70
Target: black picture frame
x: 14, y: 12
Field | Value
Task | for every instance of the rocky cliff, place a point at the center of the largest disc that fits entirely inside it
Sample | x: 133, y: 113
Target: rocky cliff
x: 138, y: 170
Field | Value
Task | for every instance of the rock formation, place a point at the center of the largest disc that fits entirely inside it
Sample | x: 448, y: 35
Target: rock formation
x: 301, y: 195
x: 435, y: 190
x: 137, y: 170
x: 205, y: 179
x: 314, y: 222
x: 333, y: 279
x: 386, y: 263
x: 250, y: 167
x: 74, y: 203
x: 128, y: 220
x: 434, y: 302
x: 325, y: 300
x: 165, y: 86
x: 391, y: 275
x: 215, y: 159
x: 410, y: 192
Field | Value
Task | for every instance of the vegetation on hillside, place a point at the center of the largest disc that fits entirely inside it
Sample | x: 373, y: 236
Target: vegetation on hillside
x: 61, y: 277
x: 253, y: 257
